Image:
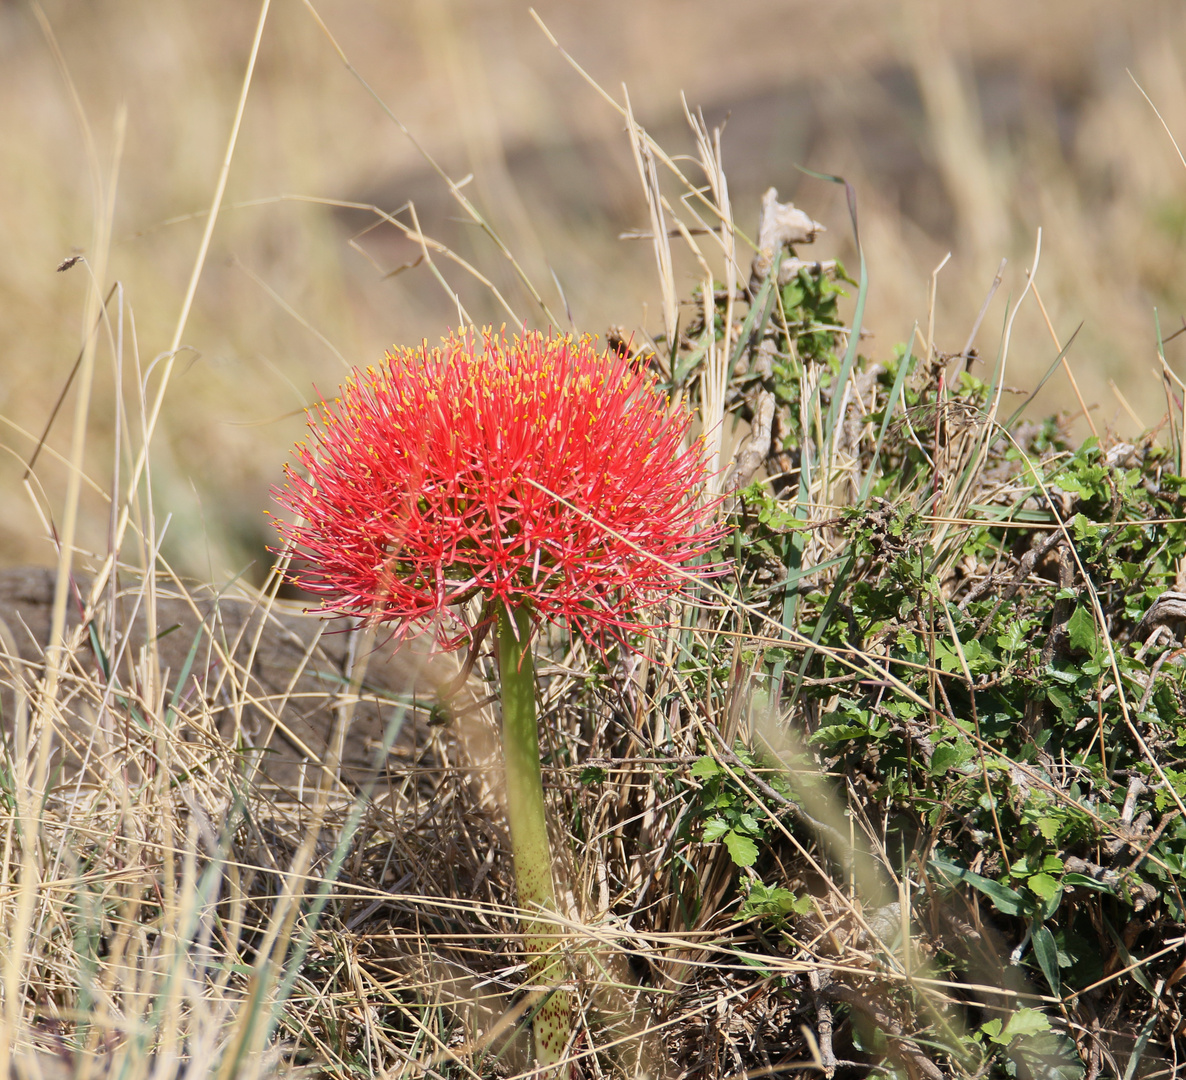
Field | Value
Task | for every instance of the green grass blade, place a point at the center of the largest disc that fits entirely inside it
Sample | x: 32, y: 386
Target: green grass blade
x: 904, y: 369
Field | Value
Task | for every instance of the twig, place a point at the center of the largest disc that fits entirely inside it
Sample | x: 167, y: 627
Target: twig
x: 69, y: 379
x: 1024, y: 567
x: 1065, y: 364
x: 821, y: 981
x: 966, y: 351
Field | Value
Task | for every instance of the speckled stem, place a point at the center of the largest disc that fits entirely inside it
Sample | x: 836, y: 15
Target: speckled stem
x: 529, y: 835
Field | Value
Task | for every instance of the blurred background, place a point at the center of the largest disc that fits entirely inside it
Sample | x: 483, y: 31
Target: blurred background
x: 963, y: 126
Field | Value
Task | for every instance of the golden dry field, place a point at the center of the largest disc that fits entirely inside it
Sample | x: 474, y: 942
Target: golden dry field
x: 964, y: 128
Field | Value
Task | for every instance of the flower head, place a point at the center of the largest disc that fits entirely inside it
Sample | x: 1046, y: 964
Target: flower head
x: 538, y: 472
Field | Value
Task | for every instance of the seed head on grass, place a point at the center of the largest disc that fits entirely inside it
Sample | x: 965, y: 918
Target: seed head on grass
x: 540, y: 473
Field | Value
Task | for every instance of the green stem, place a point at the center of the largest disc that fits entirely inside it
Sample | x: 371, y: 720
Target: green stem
x: 529, y: 834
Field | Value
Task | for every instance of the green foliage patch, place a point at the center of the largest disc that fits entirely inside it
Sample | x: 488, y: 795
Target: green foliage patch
x: 966, y: 634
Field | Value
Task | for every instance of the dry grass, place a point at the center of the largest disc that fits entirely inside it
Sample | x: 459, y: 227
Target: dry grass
x: 190, y: 883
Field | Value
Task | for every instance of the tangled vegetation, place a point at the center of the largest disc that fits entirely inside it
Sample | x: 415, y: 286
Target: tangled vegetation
x: 961, y: 792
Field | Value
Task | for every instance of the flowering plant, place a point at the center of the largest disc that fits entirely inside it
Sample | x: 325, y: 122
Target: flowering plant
x: 540, y: 476
x: 541, y: 473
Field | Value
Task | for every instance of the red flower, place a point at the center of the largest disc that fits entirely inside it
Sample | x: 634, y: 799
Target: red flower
x: 542, y: 473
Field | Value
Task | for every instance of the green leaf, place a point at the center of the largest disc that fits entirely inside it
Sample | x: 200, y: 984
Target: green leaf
x: 1005, y: 900
x: 945, y: 757
x: 764, y: 901
x: 749, y: 824
x: 1048, y: 827
x: 1138, y: 1049
x: 1061, y: 701
x: 757, y: 963
x: 1013, y: 637
x: 1082, y: 881
x: 742, y: 850
x: 1081, y: 630
x: 948, y: 658
x: 714, y: 829
x: 1046, y: 953
x: 593, y: 774
x: 1045, y: 1055
x: 1134, y: 964
x: 706, y: 768
x: 1024, y: 1022
x: 838, y: 732
x: 1044, y: 885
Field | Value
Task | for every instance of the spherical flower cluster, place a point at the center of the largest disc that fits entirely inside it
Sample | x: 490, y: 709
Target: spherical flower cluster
x: 539, y: 472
